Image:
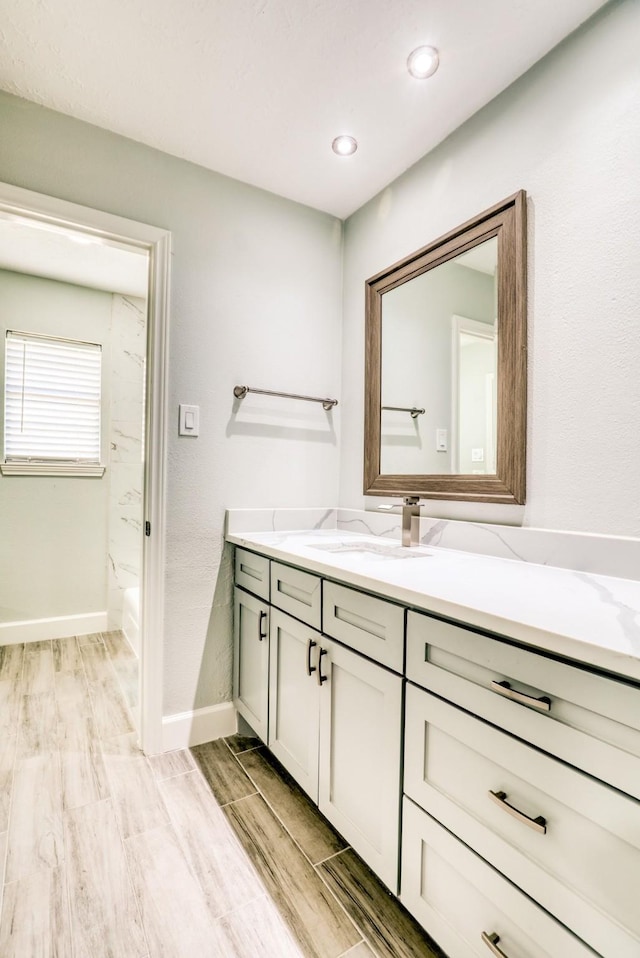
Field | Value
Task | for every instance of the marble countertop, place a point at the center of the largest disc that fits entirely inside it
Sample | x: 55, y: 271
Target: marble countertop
x: 594, y: 619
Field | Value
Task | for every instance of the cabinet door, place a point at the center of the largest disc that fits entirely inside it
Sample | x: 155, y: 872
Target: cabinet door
x: 293, y: 699
x: 251, y: 660
x: 360, y: 745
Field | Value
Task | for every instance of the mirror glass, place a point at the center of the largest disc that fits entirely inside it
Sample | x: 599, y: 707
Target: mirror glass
x: 439, y: 368
x: 446, y: 365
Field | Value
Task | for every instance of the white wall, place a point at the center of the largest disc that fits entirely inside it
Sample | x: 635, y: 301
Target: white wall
x: 255, y: 299
x: 53, y: 544
x: 569, y: 134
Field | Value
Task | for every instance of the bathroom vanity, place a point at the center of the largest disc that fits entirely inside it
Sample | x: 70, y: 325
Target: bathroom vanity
x: 469, y: 724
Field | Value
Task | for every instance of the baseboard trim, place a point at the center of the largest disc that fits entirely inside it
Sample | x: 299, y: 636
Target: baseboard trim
x: 201, y: 725
x: 60, y: 627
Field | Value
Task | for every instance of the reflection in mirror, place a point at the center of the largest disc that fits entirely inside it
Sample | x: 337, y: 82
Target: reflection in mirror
x: 439, y: 352
x: 446, y: 365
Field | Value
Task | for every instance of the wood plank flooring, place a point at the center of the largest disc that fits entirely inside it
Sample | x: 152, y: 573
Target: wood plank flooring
x: 213, y: 852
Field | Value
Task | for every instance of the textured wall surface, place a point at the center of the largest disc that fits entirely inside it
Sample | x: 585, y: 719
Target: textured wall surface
x: 569, y: 134
x: 53, y: 538
x: 255, y: 298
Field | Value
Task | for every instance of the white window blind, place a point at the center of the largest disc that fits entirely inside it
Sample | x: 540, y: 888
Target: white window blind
x: 52, y: 399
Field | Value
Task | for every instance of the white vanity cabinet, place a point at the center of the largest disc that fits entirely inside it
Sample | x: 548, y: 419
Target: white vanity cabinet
x: 514, y: 773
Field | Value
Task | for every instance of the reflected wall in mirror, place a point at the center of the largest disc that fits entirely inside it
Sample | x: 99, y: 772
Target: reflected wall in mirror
x: 439, y: 352
x: 446, y: 365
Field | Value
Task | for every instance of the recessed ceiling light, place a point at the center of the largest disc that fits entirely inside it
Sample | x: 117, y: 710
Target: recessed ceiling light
x: 344, y: 145
x: 423, y: 62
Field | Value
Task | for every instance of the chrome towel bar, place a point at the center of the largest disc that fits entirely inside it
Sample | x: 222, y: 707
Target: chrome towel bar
x: 241, y: 391
x: 415, y: 412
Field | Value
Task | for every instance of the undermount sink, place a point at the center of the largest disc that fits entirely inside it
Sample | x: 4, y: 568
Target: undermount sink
x: 387, y: 550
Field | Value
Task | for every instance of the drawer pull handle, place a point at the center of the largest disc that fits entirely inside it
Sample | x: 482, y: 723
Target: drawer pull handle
x: 543, y: 704
x: 262, y: 618
x: 491, y: 941
x: 310, y: 645
x: 538, y: 824
x: 321, y: 678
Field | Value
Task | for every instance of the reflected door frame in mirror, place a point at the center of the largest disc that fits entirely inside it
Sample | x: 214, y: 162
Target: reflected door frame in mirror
x: 507, y: 222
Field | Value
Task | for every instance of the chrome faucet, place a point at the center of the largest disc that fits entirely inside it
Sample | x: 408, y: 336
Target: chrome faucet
x: 411, y: 521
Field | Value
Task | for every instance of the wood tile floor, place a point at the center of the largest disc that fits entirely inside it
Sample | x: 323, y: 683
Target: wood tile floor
x: 208, y: 853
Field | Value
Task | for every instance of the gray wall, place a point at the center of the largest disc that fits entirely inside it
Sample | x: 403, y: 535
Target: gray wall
x: 255, y: 299
x: 568, y: 133
x: 53, y: 545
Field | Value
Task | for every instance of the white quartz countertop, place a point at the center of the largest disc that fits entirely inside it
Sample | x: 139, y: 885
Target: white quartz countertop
x: 594, y: 619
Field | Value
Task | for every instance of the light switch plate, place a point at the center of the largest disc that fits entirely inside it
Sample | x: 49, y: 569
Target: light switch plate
x: 477, y: 455
x: 441, y: 440
x: 188, y: 420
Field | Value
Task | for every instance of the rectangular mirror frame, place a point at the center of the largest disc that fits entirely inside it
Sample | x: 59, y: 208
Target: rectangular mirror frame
x: 507, y: 221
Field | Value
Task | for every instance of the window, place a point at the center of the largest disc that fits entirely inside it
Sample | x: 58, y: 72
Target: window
x: 52, y: 405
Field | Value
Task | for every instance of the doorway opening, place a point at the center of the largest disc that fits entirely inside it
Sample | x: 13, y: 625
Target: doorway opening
x: 83, y: 299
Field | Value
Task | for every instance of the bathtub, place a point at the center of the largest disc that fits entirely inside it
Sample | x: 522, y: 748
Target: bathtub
x: 131, y: 617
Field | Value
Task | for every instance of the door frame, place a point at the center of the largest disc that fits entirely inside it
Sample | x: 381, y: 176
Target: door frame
x: 463, y: 324
x: 157, y: 242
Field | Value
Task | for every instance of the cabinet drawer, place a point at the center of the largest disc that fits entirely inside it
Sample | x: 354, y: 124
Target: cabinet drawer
x: 364, y: 623
x: 458, y: 898
x: 569, y: 841
x: 298, y: 593
x: 252, y: 573
x: 591, y: 721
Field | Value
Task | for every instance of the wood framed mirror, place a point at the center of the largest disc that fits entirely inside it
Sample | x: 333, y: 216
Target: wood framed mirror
x: 446, y: 365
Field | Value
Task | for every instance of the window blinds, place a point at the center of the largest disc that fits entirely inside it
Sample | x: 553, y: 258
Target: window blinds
x: 52, y: 399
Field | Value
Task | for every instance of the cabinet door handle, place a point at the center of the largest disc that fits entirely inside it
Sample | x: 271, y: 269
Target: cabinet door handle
x: 261, y: 618
x: 491, y: 941
x: 543, y: 704
x: 321, y: 678
x: 310, y: 645
x: 538, y: 824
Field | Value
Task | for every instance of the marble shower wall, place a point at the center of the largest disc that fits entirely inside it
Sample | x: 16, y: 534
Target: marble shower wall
x: 128, y: 351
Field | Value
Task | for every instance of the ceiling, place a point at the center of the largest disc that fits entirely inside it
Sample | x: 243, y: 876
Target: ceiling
x: 258, y: 89
x: 71, y: 257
